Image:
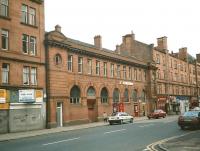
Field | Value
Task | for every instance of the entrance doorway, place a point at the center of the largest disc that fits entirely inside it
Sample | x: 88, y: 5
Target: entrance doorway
x: 59, y: 115
x: 92, y: 110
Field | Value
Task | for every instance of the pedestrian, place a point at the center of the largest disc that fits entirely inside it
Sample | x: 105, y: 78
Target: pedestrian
x: 105, y: 117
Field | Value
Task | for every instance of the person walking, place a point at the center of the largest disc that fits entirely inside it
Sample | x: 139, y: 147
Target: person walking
x: 105, y: 117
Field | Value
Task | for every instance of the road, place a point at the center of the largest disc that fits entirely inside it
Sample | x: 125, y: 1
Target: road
x: 126, y: 137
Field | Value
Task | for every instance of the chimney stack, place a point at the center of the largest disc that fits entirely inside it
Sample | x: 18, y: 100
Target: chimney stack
x: 183, y: 53
x: 162, y: 43
x: 117, y: 49
x: 98, y: 42
x: 198, y: 57
x: 58, y: 28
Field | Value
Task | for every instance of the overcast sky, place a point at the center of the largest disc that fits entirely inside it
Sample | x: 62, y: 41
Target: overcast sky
x: 179, y: 20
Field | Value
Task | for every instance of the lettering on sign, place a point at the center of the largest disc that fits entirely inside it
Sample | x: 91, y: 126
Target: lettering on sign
x: 126, y: 83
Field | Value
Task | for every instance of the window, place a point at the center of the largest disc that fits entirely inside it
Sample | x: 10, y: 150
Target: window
x: 126, y: 96
x: 70, y: 63
x: 118, y: 71
x: 28, y: 15
x: 135, y: 74
x: 29, y: 44
x: 124, y: 72
x: 25, y: 14
x: 58, y: 59
x: 75, y: 95
x: 116, y: 95
x: 26, y: 75
x: 33, y: 76
x: 157, y: 58
x: 32, y: 18
x: 80, y: 64
x: 89, y: 66
x: 105, y: 69
x: 112, y: 70
x: 140, y: 75
x: 175, y: 64
x: 4, y: 8
x: 4, y: 39
x: 97, y: 67
x: 130, y: 73
x: 5, y: 73
x: 25, y: 40
x: 104, y: 95
x: 32, y: 45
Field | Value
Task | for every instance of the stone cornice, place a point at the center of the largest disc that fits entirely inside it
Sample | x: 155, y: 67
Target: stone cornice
x: 38, y: 1
x: 92, y: 54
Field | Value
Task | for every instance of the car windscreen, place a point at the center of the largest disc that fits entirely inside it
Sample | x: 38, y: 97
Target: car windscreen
x: 114, y: 114
x: 191, y: 114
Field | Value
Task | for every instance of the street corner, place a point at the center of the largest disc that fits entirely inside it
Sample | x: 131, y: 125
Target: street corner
x: 189, y: 141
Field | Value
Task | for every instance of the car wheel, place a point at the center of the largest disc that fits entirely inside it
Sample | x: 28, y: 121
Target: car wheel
x: 131, y: 120
x: 149, y: 118
x: 182, y: 127
x: 110, y: 123
x: 121, y: 121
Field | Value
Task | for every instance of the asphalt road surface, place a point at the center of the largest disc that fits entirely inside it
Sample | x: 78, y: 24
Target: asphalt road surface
x: 134, y: 136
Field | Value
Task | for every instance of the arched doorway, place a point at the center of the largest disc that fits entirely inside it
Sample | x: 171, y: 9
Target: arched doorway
x: 116, y: 99
x: 91, y: 104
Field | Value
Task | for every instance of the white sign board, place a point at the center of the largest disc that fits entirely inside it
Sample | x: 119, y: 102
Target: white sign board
x: 26, y: 96
x: 126, y: 83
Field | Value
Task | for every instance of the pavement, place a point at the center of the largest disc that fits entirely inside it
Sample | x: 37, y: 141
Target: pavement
x: 189, y: 141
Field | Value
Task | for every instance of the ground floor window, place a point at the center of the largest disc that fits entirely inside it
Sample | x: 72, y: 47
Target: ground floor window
x: 75, y: 95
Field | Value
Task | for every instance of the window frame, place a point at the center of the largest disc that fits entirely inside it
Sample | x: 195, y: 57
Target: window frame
x: 26, y: 75
x: 4, y: 8
x: 70, y: 63
x: 5, y: 73
x: 33, y: 76
x: 80, y: 64
x: 6, y: 38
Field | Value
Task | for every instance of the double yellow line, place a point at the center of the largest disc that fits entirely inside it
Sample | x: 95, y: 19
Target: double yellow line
x: 151, y: 147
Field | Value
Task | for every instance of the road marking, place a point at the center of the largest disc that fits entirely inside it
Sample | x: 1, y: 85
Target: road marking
x: 66, y: 140
x: 194, y: 148
x: 114, y: 131
x: 151, y: 147
x: 146, y: 125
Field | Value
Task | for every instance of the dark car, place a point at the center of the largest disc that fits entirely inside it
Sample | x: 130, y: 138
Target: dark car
x: 189, y: 119
x: 157, y: 113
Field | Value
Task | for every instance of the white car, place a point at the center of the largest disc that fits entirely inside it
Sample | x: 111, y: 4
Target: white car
x: 120, y: 117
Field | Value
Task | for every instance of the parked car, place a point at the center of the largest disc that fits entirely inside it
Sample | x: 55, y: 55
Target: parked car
x: 157, y: 113
x: 120, y: 117
x: 189, y: 119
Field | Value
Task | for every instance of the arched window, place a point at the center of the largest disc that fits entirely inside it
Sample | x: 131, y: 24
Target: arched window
x: 91, y: 92
x: 116, y: 95
x: 126, y: 98
x: 58, y: 59
x: 75, y: 95
x: 104, y: 95
x: 134, y: 95
x: 143, y: 96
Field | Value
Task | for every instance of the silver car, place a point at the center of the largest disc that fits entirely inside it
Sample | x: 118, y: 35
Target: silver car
x: 120, y: 117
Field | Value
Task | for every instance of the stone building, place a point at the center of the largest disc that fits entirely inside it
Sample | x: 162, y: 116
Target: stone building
x: 177, y: 78
x: 84, y: 80
x: 22, y: 65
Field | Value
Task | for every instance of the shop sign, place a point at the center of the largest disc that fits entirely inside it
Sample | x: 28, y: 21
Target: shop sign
x: 27, y: 96
x: 2, y: 96
x: 38, y: 96
x: 126, y: 83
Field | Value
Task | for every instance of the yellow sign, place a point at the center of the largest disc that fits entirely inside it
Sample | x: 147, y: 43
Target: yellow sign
x: 38, y: 94
x: 2, y: 96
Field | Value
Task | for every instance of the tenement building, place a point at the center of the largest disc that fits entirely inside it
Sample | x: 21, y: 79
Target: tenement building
x: 22, y: 65
x: 177, y: 78
x: 85, y: 80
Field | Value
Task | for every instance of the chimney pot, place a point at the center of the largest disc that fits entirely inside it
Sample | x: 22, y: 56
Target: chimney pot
x: 58, y: 28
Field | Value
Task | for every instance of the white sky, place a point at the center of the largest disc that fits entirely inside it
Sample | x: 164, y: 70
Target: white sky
x: 179, y: 20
